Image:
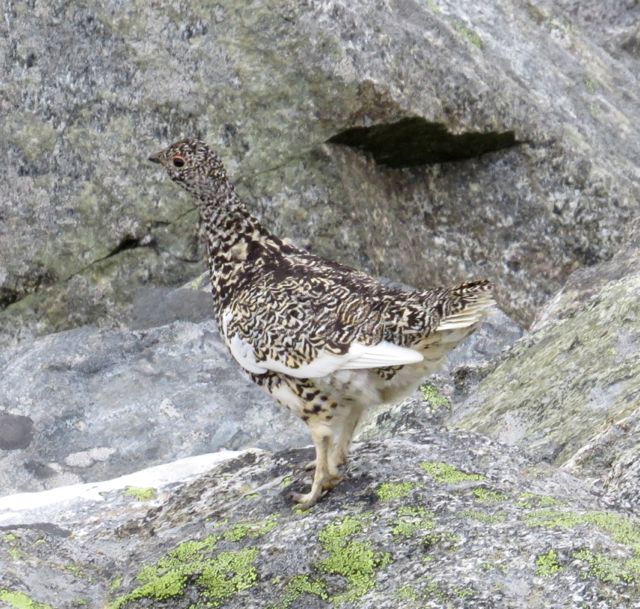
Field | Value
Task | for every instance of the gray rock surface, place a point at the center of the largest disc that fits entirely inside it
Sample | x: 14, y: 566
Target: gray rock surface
x: 89, y: 90
x: 615, y: 24
x: 426, y: 519
x: 568, y: 391
x: 90, y: 404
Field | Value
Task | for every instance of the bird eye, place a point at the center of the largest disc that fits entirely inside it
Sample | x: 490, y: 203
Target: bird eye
x: 178, y: 161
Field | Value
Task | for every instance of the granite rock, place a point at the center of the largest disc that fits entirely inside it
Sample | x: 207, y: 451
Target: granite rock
x: 428, y: 519
x: 90, y: 404
x: 568, y: 391
x: 90, y: 90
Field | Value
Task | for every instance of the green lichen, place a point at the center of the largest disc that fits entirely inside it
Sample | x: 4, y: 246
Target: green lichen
x: 227, y: 574
x: 486, y: 496
x: 547, y: 564
x: 354, y: 560
x: 447, y: 474
x: 431, y: 394
x: 14, y: 550
x: 411, y: 520
x: 623, y: 530
x: 394, y: 490
x: 408, y: 593
x: 610, y: 570
x: 301, y: 585
x: 469, y: 34
x: 445, y: 540
x: 287, y: 481
x: 536, y: 14
x: 19, y: 600
x: 115, y: 584
x: 141, y: 494
x: 533, y: 500
x: 251, y: 529
x: 217, y: 576
x: 590, y: 85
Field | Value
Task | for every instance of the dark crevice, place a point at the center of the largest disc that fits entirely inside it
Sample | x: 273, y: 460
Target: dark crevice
x: 415, y: 141
x: 8, y: 297
x: 127, y: 243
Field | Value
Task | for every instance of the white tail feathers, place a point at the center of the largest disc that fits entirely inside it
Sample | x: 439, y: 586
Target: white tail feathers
x: 473, y: 313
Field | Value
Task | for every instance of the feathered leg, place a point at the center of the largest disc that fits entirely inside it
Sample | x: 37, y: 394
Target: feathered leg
x: 322, y: 479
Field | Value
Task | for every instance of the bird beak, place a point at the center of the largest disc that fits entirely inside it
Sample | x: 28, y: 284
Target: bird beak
x: 155, y: 158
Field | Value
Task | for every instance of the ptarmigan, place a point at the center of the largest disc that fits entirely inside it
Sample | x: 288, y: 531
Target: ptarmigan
x: 323, y: 339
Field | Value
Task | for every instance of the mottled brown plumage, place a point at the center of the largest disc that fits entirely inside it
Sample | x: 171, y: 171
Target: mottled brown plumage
x: 324, y: 339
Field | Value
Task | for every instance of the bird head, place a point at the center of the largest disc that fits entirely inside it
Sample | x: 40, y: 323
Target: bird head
x: 193, y: 165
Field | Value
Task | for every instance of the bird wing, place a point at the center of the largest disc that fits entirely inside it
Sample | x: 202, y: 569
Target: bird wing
x: 293, y: 334
x: 324, y: 363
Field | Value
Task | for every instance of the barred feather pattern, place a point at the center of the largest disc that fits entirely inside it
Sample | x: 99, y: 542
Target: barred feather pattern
x: 282, y: 310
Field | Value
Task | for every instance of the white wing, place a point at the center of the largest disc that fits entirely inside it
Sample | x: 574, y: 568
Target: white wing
x: 359, y: 356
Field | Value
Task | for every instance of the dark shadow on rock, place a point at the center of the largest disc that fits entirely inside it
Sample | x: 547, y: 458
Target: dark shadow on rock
x: 413, y: 141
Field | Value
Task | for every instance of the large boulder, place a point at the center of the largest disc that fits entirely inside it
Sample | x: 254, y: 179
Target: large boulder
x: 426, y: 519
x: 90, y: 404
x: 542, y: 124
x: 568, y: 391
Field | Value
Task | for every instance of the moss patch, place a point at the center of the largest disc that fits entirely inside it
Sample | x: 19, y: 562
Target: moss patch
x: 19, y: 600
x: 354, y: 560
x: 547, y: 564
x: 394, y: 490
x: 141, y: 494
x: 447, y: 474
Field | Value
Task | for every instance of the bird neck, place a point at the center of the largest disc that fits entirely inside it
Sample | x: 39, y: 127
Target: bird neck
x: 234, y: 237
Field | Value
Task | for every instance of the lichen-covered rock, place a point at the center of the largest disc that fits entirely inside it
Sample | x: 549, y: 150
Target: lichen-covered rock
x: 91, y: 90
x: 427, y: 519
x: 433, y: 403
x: 614, y: 24
x: 90, y: 404
x: 568, y: 392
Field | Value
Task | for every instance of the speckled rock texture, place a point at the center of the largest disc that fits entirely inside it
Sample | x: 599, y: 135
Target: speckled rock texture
x: 89, y: 404
x: 426, y: 519
x: 568, y: 392
x: 615, y: 24
x: 428, y: 142
x: 89, y: 90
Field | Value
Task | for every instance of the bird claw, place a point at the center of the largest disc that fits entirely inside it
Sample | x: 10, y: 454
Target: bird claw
x: 307, y: 500
x: 304, y: 500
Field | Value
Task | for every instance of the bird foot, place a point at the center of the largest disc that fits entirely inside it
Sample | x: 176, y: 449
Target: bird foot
x: 310, y: 466
x: 307, y: 500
